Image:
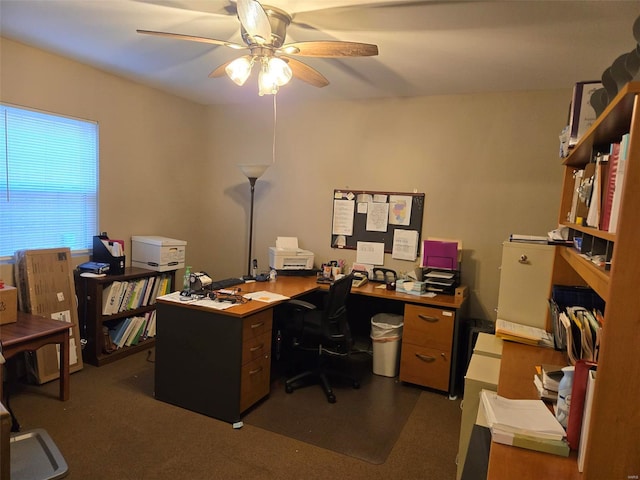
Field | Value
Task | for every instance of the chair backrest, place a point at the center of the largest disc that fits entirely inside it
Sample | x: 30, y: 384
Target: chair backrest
x: 334, y: 319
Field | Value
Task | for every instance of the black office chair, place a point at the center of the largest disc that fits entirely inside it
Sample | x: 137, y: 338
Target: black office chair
x: 323, y: 332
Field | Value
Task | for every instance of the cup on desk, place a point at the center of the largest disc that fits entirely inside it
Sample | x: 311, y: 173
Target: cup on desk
x: 326, y: 271
x: 335, y: 271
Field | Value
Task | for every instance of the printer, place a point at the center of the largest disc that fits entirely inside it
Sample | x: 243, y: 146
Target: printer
x: 287, y: 256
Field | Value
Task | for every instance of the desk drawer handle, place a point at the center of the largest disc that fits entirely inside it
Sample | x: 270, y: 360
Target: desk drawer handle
x: 426, y: 358
x: 257, y: 325
x: 256, y: 348
x: 257, y: 370
x: 428, y: 319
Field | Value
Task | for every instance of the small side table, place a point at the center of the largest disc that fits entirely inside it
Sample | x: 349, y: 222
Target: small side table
x: 31, y: 332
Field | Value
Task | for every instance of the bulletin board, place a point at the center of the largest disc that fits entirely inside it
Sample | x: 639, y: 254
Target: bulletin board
x: 354, y: 211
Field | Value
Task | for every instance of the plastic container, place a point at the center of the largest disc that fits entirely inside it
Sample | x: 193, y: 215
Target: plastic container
x: 386, y: 334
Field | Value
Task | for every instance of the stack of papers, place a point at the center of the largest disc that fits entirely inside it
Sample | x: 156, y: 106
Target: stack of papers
x: 523, y: 423
x: 526, y: 334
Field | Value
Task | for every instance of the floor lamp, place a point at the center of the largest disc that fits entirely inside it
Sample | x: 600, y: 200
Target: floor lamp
x: 252, y: 172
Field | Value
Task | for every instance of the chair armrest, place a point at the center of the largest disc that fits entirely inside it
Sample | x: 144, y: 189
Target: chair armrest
x: 300, y: 304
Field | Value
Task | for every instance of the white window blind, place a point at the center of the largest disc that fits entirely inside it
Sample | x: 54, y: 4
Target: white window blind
x: 48, y: 181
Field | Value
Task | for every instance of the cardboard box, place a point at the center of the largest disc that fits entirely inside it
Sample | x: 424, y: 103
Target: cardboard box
x: 161, y: 254
x: 8, y: 305
x: 46, y: 287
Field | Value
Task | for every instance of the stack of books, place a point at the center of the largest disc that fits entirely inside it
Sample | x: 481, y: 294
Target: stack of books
x: 546, y: 380
x: 524, y: 423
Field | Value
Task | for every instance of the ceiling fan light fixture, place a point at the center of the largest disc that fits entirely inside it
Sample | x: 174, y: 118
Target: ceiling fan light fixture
x: 266, y: 79
x: 239, y: 70
x: 280, y: 70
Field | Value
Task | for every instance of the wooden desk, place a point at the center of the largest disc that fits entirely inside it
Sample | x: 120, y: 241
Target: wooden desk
x: 227, y: 353
x: 31, y: 332
x: 516, y: 381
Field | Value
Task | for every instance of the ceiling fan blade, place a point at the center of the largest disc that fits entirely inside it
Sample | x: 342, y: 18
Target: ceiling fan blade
x: 307, y: 74
x: 254, y: 20
x: 329, y: 49
x: 191, y: 38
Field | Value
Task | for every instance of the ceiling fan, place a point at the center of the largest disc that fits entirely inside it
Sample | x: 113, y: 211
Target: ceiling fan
x: 263, y: 29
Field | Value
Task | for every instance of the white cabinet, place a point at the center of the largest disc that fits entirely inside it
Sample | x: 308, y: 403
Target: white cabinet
x: 525, y: 283
x: 482, y: 373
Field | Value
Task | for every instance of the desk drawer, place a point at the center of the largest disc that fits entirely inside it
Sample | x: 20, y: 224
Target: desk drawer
x: 257, y: 347
x: 255, y: 377
x: 425, y: 366
x: 257, y: 324
x: 428, y: 326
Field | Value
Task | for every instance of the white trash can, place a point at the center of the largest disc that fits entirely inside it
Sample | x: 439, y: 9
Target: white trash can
x: 386, y: 334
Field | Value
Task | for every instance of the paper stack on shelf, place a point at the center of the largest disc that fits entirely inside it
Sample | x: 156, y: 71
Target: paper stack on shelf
x: 547, y: 380
x: 523, y: 423
x: 516, y: 332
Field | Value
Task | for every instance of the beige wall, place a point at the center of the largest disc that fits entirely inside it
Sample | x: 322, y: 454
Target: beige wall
x: 487, y: 164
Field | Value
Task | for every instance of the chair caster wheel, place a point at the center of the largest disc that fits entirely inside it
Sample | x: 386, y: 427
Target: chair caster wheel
x: 288, y: 389
x: 331, y: 398
x: 356, y: 385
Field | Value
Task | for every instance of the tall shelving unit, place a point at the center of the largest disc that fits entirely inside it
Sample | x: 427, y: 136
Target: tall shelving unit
x: 614, y: 436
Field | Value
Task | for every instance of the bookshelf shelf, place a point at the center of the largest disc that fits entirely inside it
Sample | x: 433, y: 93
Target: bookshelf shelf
x: 91, y: 292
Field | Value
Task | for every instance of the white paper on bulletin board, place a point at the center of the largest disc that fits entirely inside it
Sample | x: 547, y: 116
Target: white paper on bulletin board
x: 343, y: 217
x: 405, y: 244
x: 370, y: 252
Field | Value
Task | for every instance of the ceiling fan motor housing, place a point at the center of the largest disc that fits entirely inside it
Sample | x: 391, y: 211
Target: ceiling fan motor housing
x: 279, y: 21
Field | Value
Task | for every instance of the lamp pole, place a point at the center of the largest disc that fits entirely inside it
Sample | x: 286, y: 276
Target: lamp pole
x: 252, y: 172
x: 252, y: 181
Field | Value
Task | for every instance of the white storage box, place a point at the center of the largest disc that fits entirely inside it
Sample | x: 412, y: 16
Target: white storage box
x: 157, y: 253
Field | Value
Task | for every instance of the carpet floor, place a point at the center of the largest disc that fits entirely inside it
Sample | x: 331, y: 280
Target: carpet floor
x: 113, y: 428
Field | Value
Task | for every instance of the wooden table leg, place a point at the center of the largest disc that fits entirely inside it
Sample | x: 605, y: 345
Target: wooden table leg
x: 64, y: 367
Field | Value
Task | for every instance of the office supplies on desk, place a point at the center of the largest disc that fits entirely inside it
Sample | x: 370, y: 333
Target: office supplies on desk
x: 359, y: 279
x: 384, y: 275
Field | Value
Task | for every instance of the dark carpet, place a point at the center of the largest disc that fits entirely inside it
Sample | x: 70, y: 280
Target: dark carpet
x: 364, y: 423
x: 113, y: 428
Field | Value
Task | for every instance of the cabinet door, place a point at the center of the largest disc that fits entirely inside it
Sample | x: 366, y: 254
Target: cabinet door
x: 525, y: 283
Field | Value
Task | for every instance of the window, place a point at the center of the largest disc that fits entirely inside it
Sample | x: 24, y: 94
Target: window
x: 48, y: 181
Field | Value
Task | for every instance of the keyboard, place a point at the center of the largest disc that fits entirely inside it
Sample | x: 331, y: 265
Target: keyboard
x: 226, y: 283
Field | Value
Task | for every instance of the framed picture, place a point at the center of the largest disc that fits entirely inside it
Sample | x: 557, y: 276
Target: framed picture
x: 581, y: 114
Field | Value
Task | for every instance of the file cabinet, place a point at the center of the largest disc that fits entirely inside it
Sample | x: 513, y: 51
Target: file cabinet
x: 427, y: 344
x: 483, y: 373
x: 525, y: 283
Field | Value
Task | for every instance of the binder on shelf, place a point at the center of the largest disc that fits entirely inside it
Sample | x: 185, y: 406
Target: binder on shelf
x: 109, y: 251
x: 578, y: 397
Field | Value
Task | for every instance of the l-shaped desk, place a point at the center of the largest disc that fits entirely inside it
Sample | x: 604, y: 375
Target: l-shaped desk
x: 218, y: 362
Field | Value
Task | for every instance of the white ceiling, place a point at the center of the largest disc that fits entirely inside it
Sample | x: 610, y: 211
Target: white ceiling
x: 426, y: 47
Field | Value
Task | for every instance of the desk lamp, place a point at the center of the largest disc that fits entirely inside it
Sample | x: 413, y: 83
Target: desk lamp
x: 252, y: 172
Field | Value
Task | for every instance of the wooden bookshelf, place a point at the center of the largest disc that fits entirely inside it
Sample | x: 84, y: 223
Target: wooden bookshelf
x: 613, y: 450
x: 90, y: 298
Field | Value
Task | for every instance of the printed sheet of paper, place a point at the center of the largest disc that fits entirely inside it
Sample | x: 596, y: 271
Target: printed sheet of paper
x: 378, y: 217
x: 370, y: 252
x: 343, y: 211
x: 400, y: 209
x: 405, y: 244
